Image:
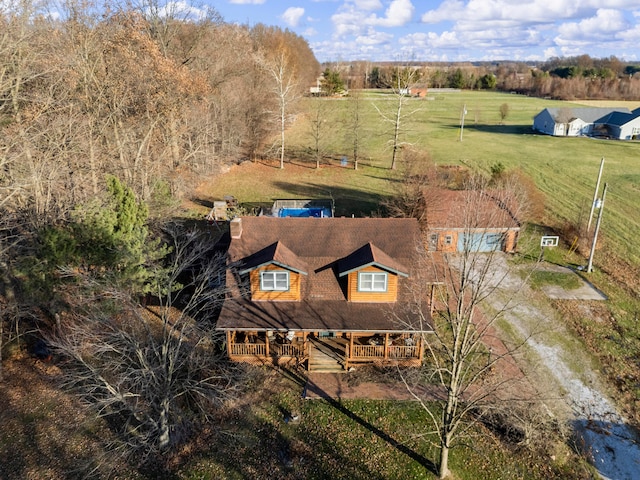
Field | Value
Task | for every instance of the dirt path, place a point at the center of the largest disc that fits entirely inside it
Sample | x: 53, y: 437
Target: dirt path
x: 613, y: 445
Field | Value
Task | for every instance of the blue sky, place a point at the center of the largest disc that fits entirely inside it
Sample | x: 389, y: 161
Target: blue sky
x: 450, y: 30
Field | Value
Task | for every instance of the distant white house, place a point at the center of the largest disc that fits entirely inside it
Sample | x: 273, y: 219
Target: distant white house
x: 618, y: 123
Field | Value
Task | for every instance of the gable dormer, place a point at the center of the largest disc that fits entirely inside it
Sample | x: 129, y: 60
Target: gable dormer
x: 274, y: 273
x: 372, y: 275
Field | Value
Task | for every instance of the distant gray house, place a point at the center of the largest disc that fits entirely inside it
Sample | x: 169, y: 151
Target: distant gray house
x: 618, y: 123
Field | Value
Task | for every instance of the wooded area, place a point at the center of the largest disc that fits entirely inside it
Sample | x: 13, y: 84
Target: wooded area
x: 106, y: 117
x: 566, y: 78
x: 150, y: 96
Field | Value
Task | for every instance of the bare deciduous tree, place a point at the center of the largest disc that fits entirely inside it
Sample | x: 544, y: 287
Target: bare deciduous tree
x: 354, y: 121
x: 319, y: 127
x: 466, y: 360
x: 284, y: 86
x: 402, y: 81
x: 155, y: 371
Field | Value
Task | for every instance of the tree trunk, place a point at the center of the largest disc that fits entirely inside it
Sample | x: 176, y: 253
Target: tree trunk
x: 396, y: 134
x: 443, y: 469
x: 282, y: 125
x: 163, y: 439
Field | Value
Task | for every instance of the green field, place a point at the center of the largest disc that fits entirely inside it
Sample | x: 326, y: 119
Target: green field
x: 564, y: 169
x: 360, y: 439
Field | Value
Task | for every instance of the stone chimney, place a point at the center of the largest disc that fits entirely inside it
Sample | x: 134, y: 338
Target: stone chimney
x: 235, y: 227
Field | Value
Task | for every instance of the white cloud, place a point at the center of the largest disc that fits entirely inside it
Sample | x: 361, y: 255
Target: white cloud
x: 399, y: 13
x: 182, y: 10
x: 605, y: 23
x: 354, y: 16
x: 347, y: 22
x: 374, y: 37
x: 292, y: 16
x: 310, y: 32
x: 247, y: 2
x: 367, y: 5
x: 478, y: 29
x: 531, y: 11
x: 631, y: 36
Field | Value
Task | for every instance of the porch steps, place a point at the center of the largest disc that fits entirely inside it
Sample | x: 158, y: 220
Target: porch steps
x: 322, y: 359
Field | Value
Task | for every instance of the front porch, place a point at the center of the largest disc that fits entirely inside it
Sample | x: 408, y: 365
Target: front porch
x: 347, y: 349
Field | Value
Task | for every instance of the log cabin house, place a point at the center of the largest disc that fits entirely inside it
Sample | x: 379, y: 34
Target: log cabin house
x: 325, y: 293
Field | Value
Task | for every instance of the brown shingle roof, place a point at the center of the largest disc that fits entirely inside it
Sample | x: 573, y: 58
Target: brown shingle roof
x: 456, y: 209
x: 323, y: 237
x: 278, y: 254
x: 320, y: 244
x: 367, y: 255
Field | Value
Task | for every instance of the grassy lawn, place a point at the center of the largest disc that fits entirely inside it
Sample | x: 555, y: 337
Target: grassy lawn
x: 567, y: 281
x: 564, y: 169
x: 356, y: 439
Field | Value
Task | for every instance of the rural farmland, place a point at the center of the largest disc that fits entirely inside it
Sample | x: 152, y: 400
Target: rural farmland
x: 564, y: 169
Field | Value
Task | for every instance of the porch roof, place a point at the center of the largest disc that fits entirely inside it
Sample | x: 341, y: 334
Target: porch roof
x: 313, y: 316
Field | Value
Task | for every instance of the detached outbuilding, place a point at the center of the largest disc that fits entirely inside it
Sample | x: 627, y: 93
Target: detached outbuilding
x: 620, y: 125
x: 470, y: 220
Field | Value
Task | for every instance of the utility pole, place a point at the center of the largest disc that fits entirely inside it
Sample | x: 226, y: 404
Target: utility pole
x: 595, y: 233
x: 464, y: 112
x: 595, y: 196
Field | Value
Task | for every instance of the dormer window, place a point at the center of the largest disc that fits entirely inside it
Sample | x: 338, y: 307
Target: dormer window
x: 372, y: 282
x: 274, y: 281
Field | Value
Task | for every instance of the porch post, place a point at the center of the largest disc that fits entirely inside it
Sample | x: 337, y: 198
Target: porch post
x: 431, y: 297
x: 386, y: 345
x: 266, y: 344
x: 229, y: 340
x: 351, y: 345
x: 305, y: 344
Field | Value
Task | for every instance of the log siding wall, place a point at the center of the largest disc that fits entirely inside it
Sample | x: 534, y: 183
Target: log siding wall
x: 293, y: 294
x: 354, y: 295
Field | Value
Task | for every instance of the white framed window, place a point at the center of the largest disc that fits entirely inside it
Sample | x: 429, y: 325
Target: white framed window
x: 448, y: 240
x: 372, y: 282
x: 274, y: 281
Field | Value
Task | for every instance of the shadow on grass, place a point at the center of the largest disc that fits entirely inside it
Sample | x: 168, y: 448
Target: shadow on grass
x: 348, y: 201
x: 486, y: 128
x: 426, y: 463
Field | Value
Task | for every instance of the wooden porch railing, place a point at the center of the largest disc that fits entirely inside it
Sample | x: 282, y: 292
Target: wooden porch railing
x: 377, y: 351
x: 257, y: 349
x: 368, y: 351
x: 403, y: 351
x: 363, y: 352
x: 286, y: 350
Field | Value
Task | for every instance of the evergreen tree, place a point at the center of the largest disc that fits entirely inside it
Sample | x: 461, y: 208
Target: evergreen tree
x: 331, y: 82
x: 109, y: 239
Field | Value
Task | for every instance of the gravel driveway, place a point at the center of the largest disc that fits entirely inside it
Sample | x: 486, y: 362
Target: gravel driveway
x: 612, y: 444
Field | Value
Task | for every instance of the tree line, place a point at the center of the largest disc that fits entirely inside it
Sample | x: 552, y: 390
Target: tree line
x: 567, y: 78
